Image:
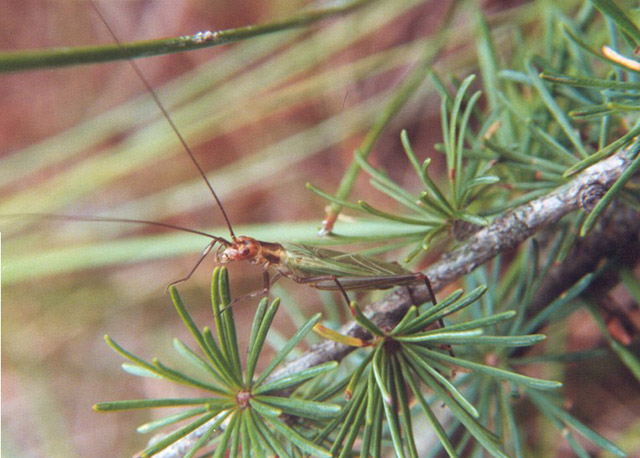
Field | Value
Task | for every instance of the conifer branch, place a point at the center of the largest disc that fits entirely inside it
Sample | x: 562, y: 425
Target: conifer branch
x: 504, y: 234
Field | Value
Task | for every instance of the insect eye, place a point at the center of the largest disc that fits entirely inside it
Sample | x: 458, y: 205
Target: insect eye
x: 244, y: 251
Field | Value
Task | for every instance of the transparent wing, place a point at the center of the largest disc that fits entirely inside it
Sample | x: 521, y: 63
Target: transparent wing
x: 308, y: 261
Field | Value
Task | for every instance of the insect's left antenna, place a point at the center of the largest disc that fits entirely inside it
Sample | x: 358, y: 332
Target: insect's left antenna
x: 167, y: 117
x: 52, y: 216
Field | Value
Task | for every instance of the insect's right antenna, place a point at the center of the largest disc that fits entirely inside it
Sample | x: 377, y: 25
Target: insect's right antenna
x: 52, y: 216
x: 169, y: 120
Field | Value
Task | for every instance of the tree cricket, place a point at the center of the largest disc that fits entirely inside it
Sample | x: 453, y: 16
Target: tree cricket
x: 319, y: 268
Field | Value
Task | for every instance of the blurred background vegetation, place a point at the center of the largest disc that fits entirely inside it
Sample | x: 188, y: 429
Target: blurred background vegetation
x: 264, y: 117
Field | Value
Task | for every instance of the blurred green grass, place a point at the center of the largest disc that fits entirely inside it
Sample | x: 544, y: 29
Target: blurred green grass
x: 263, y: 116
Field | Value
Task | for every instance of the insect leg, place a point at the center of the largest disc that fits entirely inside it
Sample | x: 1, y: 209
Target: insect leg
x: 313, y: 282
x: 342, y: 290
x: 421, y: 276
x: 274, y: 278
x: 204, y: 254
x: 413, y: 299
x: 267, y: 281
x: 427, y: 283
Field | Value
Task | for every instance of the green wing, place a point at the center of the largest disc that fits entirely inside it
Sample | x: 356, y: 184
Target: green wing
x: 306, y: 261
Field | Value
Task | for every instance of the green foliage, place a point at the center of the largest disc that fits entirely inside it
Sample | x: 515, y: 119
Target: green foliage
x: 25, y: 60
x: 528, y: 145
x: 434, y: 212
x: 557, y: 91
x: 497, y: 399
x: 243, y: 409
x: 409, y: 357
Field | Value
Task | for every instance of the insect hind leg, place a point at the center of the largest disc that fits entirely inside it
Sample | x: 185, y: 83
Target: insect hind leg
x: 427, y: 282
x: 420, y: 276
x: 314, y: 281
x: 343, y: 291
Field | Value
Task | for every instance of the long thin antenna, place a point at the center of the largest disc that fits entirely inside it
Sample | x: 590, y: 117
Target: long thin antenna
x: 51, y: 216
x: 168, y: 118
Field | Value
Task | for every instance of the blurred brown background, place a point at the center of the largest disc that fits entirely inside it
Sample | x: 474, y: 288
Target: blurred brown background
x: 59, y: 298
x: 263, y: 117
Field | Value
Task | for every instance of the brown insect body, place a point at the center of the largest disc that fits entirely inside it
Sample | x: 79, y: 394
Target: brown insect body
x: 318, y: 267
x: 245, y: 248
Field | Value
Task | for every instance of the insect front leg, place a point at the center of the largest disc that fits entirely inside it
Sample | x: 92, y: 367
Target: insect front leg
x: 204, y: 254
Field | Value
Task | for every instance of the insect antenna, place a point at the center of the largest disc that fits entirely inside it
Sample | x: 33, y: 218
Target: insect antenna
x: 167, y: 117
x: 52, y: 216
